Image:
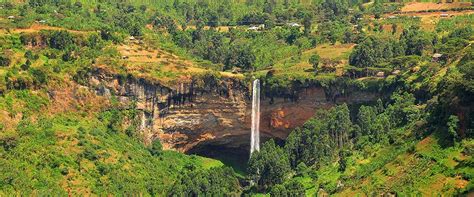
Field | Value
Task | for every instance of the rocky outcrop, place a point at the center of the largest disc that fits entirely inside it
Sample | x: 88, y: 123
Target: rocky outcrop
x: 200, y: 112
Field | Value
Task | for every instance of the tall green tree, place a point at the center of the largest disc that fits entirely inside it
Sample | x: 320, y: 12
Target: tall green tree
x: 269, y: 166
x: 314, y: 61
x: 307, y: 21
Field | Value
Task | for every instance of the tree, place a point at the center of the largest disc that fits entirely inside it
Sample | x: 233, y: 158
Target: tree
x: 374, y: 50
x: 295, y: 188
x: 132, y: 23
x: 268, y: 6
x: 26, y: 65
x: 340, y: 125
x: 219, y: 181
x: 156, y: 147
x: 69, y: 55
x: 466, y: 68
x: 364, y: 118
x: 183, y: 39
x: 40, y: 75
x: 269, y: 166
x: 4, y: 61
x: 269, y: 22
x: 94, y: 41
x: 293, y: 34
x: 394, y: 28
x: 240, y: 55
x: 278, y: 191
x: 415, y: 41
x: 402, y: 110
x: 61, y: 39
x: 452, y: 124
x: 29, y: 55
x: 286, y: 3
x: 314, y: 61
x: 373, y: 125
x: 143, y: 8
x: 292, y: 188
x: 311, y: 144
x: 335, y: 8
x: 213, y: 19
x: 302, y: 169
x: 307, y: 24
x: 348, y: 36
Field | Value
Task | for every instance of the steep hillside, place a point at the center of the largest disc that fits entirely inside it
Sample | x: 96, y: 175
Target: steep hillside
x: 153, y: 98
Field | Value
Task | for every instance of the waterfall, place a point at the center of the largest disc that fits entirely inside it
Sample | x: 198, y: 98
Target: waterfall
x: 255, y: 135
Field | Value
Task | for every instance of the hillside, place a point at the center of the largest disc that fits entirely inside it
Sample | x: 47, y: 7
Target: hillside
x: 154, y: 98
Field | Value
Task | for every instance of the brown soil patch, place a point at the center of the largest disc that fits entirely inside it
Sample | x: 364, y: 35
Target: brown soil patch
x: 72, y: 97
x: 424, y: 15
x: 424, y: 6
x: 460, y: 183
x: 157, y: 64
x: 331, y: 51
x: 425, y: 143
x: 218, y: 28
x: 38, y: 27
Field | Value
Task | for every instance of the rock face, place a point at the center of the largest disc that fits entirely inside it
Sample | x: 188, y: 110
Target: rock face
x: 214, y: 113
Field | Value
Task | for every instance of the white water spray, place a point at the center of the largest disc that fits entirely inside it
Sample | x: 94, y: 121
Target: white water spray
x: 255, y: 135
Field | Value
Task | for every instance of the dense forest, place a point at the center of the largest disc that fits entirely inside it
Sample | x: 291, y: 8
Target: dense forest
x: 63, y: 133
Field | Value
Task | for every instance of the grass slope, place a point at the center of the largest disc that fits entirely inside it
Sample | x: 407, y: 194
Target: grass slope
x: 78, y: 154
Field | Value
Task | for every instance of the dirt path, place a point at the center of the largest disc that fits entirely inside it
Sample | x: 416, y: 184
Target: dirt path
x: 38, y: 27
x: 425, y: 6
x: 434, y: 14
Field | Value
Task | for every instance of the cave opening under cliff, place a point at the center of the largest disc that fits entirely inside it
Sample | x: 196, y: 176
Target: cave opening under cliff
x: 232, y: 151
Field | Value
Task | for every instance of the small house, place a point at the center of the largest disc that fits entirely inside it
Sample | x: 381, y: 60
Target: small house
x: 236, y: 70
x: 444, y: 15
x: 293, y: 24
x: 11, y: 17
x: 395, y: 72
x: 124, y: 57
x: 256, y: 28
x: 392, y: 17
x: 131, y: 38
x: 253, y: 28
x: 380, y: 74
x: 437, y: 57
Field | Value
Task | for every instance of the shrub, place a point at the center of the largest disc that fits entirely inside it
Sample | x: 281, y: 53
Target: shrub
x: 40, y: 76
x: 61, y: 40
x: 30, y: 56
x: 4, y: 61
x: 156, y: 147
x: 26, y: 65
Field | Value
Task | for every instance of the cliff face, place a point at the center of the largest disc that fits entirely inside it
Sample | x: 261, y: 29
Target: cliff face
x: 196, y: 113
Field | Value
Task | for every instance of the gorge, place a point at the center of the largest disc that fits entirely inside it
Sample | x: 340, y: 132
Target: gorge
x: 202, y: 114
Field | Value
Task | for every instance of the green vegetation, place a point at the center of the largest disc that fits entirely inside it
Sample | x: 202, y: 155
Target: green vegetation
x: 59, y: 137
x: 68, y: 152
